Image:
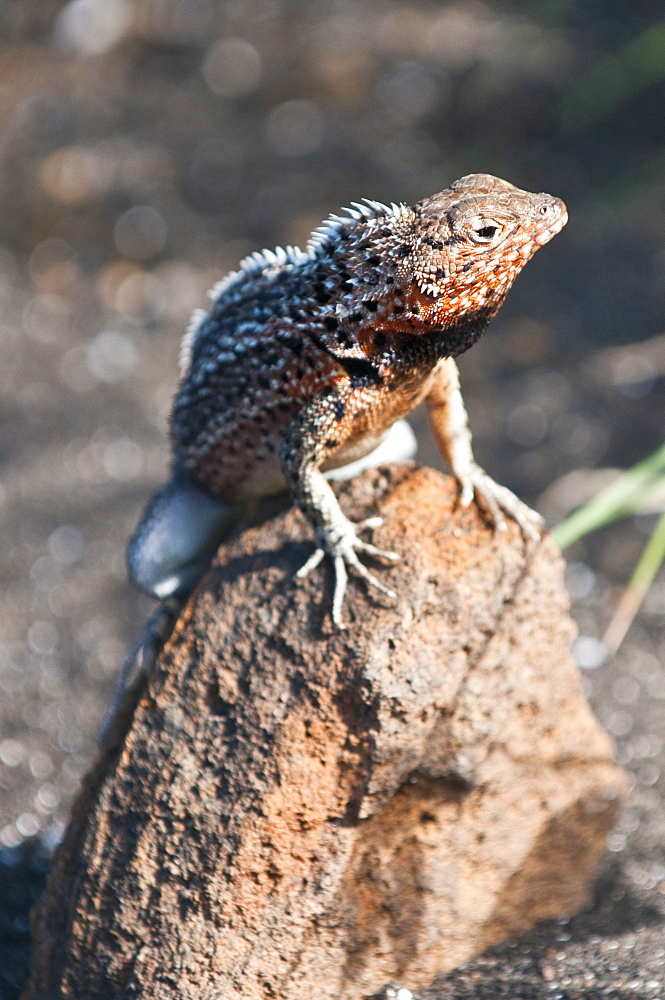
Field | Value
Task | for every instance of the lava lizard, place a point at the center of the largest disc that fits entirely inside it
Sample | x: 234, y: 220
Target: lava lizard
x: 307, y: 360
x: 308, y: 357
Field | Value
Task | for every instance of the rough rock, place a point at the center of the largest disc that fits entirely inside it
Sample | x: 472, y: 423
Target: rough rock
x: 302, y: 813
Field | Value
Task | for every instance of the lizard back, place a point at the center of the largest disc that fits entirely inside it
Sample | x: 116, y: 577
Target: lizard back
x: 362, y: 315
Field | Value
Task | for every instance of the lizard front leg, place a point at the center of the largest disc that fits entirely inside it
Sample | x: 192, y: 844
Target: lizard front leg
x: 312, y: 437
x: 450, y: 427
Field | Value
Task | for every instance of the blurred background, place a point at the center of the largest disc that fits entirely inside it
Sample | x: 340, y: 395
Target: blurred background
x: 147, y: 145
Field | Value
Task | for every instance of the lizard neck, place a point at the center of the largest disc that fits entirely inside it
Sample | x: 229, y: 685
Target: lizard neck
x: 406, y: 350
x: 451, y: 341
x: 436, y: 342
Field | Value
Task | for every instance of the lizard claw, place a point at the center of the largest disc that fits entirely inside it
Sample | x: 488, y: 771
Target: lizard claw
x: 369, y: 522
x: 496, y: 499
x: 340, y: 543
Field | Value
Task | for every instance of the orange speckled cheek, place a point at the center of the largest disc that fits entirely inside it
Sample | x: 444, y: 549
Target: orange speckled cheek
x: 426, y: 305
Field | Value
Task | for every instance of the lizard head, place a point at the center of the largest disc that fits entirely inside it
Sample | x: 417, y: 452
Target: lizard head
x: 443, y: 266
x: 469, y: 243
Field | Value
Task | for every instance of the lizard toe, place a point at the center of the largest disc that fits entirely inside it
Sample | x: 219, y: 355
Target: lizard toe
x: 369, y: 523
x: 352, y: 560
x: 313, y: 561
x: 341, y: 579
x: 342, y: 545
x: 373, y: 551
x: 499, y: 500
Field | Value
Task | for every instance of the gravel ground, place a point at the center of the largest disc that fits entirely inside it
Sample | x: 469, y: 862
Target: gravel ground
x: 144, y: 148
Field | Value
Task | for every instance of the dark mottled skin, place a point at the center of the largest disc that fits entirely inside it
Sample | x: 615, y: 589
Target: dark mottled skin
x: 307, y: 358
x: 356, y: 328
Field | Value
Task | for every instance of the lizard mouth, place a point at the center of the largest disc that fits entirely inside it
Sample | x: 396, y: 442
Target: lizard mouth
x: 545, y: 235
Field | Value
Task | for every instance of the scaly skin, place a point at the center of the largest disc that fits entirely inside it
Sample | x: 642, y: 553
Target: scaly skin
x: 307, y: 358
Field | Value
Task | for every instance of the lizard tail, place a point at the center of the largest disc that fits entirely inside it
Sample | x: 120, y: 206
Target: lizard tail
x: 177, y: 536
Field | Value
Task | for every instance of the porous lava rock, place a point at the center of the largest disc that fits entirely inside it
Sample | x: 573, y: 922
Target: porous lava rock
x: 305, y: 813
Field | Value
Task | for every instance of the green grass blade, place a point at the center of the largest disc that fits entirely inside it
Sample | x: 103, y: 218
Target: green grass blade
x: 622, y: 497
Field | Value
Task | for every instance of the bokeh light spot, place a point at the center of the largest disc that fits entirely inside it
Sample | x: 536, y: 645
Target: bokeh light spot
x: 66, y: 545
x: 12, y: 752
x: 93, y: 26
x: 111, y: 356
x: 408, y: 90
x: 527, y: 425
x: 42, y: 637
x: 74, y: 174
x: 588, y: 652
x: 232, y: 67
x: 140, y: 232
x: 123, y: 459
x: 295, y: 128
x: 46, y: 318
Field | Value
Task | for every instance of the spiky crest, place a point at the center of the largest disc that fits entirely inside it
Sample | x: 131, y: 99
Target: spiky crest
x: 188, y: 339
x: 369, y: 213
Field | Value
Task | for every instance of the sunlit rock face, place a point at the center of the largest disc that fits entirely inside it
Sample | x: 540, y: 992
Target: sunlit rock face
x: 339, y: 808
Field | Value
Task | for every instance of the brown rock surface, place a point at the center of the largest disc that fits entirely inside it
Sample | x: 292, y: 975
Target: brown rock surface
x: 300, y: 813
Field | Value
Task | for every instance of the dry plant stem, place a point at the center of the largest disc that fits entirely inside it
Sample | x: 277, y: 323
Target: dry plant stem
x: 643, y: 576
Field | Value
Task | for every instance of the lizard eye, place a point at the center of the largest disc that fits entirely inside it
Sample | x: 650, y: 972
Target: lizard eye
x: 484, y: 231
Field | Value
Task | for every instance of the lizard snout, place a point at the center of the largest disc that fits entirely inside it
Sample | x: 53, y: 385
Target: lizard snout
x: 553, y: 215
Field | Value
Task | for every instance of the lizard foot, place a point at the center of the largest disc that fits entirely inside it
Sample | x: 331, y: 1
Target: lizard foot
x: 340, y: 541
x: 496, y: 499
